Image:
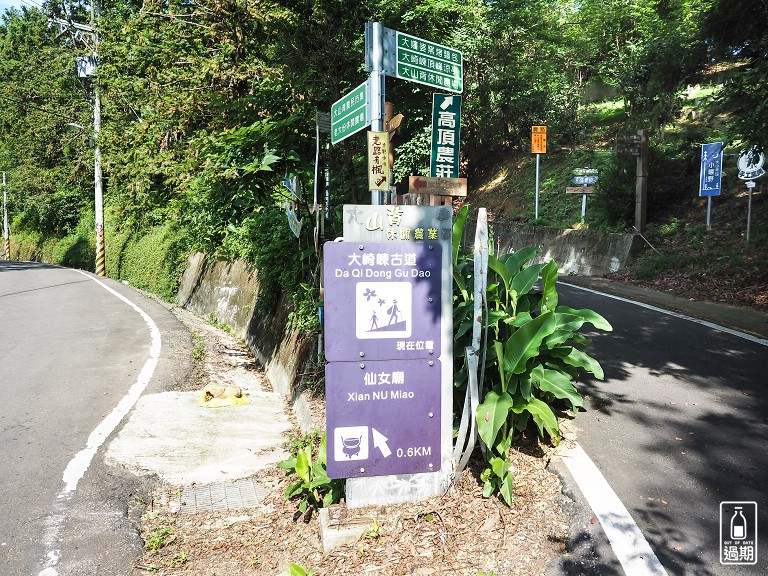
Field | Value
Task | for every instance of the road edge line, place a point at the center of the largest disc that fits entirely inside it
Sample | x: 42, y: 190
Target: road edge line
x: 79, y: 464
x: 625, y: 537
x: 707, y: 323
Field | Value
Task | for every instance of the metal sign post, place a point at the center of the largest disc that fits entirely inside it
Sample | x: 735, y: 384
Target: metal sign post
x: 538, y: 147
x: 6, y: 238
x: 585, y: 177
x: 750, y: 163
x: 710, y: 174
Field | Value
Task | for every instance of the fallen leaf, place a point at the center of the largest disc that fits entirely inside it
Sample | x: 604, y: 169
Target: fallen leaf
x: 664, y: 502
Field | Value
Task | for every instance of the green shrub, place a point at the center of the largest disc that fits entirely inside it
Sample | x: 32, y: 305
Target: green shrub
x: 313, y: 488
x: 531, y: 356
x: 151, y: 259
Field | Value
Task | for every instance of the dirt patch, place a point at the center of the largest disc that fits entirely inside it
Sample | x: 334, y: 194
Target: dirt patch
x: 461, y: 533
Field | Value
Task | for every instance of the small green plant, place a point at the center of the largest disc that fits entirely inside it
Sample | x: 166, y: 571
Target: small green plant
x: 198, y: 353
x: 297, y: 570
x: 532, y: 352
x: 375, y: 530
x: 158, y: 538
x: 214, y: 321
x: 313, y: 488
x: 298, y: 442
x: 178, y: 560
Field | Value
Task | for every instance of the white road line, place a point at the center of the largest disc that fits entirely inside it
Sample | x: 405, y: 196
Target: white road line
x: 79, y: 464
x: 627, y: 541
x: 732, y: 332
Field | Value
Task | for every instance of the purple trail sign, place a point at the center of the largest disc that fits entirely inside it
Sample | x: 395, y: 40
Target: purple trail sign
x: 382, y: 300
x: 383, y: 417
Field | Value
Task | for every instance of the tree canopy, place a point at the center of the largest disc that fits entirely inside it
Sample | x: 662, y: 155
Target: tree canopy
x: 208, y: 104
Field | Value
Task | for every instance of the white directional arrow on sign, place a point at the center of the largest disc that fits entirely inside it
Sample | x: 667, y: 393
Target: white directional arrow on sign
x: 447, y: 103
x: 380, y: 442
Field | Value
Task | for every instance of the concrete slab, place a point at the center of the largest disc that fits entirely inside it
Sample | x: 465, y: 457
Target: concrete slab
x: 170, y: 435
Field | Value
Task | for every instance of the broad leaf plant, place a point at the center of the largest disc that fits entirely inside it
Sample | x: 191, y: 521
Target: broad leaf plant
x: 531, y: 356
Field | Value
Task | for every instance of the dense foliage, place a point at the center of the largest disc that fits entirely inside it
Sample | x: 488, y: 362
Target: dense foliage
x: 208, y: 105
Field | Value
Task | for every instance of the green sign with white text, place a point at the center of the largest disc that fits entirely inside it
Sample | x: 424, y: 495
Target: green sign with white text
x: 350, y: 113
x: 446, y: 131
x: 429, y: 63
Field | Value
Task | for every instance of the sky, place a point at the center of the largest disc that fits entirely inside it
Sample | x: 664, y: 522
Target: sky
x: 5, y: 4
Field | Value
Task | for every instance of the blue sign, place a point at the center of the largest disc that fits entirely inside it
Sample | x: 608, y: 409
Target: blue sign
x: 585, y: 180
x: 711, y: 169
x: 383, y: 417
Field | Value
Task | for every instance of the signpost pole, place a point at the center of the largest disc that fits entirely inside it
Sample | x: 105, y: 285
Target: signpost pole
x: 538, y: 156
x: 709, y: 213
x: 641, y: 186
x: 584, y: 205
x: 377, y: 90
x: 6, y: 243
x: 749, y: 209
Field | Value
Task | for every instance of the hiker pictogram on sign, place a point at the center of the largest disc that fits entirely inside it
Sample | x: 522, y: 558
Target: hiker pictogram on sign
x: 383, y: 310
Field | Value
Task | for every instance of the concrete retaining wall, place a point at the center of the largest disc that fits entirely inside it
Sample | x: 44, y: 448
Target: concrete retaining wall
x: 577, y: 252
x: 228, y: 291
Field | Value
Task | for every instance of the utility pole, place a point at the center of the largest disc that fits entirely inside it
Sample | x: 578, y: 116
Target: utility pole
x: 6, y: 236
x: 86, y: 68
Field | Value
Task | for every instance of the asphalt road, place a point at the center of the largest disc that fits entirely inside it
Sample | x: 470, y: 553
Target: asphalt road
x: 69, y: 353
x: 678, y: 425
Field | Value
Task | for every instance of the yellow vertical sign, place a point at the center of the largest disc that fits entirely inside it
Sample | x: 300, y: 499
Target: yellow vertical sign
x: 538, y: 139
x: 378, y: 161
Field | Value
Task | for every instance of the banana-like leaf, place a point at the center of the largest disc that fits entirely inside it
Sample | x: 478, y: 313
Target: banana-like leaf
x: 570, y: 322
x: 506, y: 489
x: 498, y: 349
x: 524, y: 343
x: 542, y: 415
x: 458, y: 231
x: 492, y: 414
x: 549, y: 287
x: 521, y: 319
x: 526, y: 387
x: 303, y: 459
x: 558, y: 337
x: 458, y: 278
x: 524, y: 280
x: 516, y: 260
x: 557, y: 384
x: 588, y: 316
x: 579, y: 359
x: 498, y: 266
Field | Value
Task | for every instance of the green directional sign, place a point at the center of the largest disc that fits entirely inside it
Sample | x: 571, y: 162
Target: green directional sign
x: 446, y: 130
x: 350, y: 113
x: 429, y: 63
